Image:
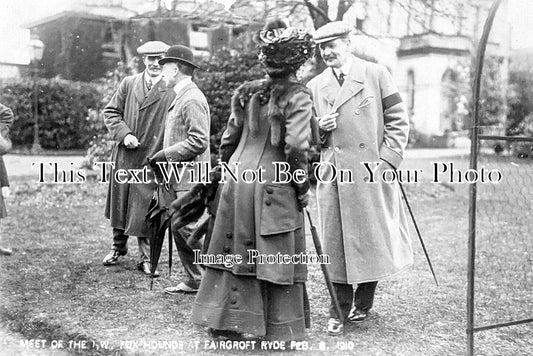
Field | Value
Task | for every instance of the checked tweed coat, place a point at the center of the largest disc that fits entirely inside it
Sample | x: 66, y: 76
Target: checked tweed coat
x: 363, y: 225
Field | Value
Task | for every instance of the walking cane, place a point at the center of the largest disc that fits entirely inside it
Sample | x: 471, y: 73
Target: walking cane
x: 169, y: 251
x: 418, y: 231
x: 329, y: 284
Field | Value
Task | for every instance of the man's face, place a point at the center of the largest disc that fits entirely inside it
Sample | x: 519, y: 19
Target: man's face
x: 335, y: 52
x: 152, y: 65
x: 169, y: 72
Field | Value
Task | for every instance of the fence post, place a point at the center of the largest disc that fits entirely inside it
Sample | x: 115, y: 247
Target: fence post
x: 474, y: 149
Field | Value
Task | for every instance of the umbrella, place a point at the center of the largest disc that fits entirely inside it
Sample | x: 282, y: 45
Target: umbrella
x: 159, y: 214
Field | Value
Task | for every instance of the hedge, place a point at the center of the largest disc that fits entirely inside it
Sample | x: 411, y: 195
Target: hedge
x: 63, y: 112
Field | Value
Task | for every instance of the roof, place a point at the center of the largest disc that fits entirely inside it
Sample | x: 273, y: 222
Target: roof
x: 212, y: 12
x: 103, y: 13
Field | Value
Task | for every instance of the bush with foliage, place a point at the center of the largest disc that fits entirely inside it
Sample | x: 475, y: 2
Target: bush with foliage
x: 219, y: 77
x: 63, y: 108
x: 492, y: 103
x: 519, y: 117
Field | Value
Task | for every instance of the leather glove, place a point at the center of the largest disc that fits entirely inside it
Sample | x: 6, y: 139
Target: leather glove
x: 303, y: 200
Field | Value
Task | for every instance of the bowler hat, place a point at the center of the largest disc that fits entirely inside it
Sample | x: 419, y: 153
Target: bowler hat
x: 331, y: 31
x: 180, y: 54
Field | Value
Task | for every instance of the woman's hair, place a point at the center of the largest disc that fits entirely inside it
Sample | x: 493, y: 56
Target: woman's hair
x: 282, y: 49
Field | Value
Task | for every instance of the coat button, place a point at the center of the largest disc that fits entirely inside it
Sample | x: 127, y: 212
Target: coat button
x: 362, y: 146
x: 357, y: 112
x: 229, y: 235
x: 233, y: 301
x: 336, y: 149
x: 248, y: 242
x: 226, y: 249
x: 269, y: 190
x: 268, y: 202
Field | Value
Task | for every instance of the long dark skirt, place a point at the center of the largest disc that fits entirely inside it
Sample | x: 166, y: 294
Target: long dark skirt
x: 248, y: 305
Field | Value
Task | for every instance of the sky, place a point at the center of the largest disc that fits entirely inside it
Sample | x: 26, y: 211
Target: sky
x: 14, y: 13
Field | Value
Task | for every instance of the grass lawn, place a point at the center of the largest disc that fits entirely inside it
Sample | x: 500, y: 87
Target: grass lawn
x: 55, y: 288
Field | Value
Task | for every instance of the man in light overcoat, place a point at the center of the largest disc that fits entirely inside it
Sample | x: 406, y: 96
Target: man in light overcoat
x: 361, y: 119
x: 135, y: 117
x: 186, y: 141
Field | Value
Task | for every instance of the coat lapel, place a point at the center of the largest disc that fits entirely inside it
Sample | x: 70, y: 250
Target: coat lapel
x: 138, y: 88
x: 331, y: 86
x: 154, y: 95
x: 353, y: 83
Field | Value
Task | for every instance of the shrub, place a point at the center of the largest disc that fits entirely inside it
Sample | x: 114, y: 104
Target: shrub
x: 218, y: 79
x: 62, y: 111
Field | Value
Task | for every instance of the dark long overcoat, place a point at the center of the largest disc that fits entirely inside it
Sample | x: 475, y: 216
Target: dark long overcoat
x: 363, y: 224
x: 264, y: 217
x: 133, y: 109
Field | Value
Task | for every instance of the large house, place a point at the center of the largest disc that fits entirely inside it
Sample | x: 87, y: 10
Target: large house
x: 428, y: 49
x: 87, y: 40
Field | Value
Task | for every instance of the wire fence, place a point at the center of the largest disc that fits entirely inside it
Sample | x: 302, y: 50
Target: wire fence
x: 504, y: 231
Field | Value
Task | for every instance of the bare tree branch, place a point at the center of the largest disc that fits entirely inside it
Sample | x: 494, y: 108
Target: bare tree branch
x: 313, y: 9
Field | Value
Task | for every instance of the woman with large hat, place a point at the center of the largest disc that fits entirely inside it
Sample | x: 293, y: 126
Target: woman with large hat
x: 270, y: 122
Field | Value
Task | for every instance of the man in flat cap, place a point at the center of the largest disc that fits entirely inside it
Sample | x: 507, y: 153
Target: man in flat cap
x: 186, y: 140
x: 361, y: 119
x: 135, y: 118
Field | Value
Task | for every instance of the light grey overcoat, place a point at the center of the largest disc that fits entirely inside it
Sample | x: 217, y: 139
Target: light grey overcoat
x: 363, y: 224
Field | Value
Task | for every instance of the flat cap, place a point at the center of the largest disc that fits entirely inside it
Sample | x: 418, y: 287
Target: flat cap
x: 153, y: 48
x: 331, y: 31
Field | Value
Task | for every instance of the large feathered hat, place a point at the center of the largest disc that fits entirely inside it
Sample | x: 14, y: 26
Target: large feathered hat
x: 283, y: 49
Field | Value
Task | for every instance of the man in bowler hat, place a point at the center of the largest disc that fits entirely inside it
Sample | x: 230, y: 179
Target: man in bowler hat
x: 135, y: 118
x: 186, y: 140
x: 361, y: 119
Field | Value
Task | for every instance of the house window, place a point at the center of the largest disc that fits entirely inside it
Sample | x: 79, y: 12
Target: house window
x: 411, y: 91
x: 449, y: 118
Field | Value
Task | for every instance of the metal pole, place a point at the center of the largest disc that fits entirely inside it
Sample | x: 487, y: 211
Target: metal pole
x: 36, y: 147
x: 474, y: 149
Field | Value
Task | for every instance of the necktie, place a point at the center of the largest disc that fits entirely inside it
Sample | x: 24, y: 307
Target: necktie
x: 341, y: 79
x: 149, y: 84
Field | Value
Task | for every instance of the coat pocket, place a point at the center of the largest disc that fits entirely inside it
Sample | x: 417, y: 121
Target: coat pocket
x: 366, y: 101
x: 279, y: 210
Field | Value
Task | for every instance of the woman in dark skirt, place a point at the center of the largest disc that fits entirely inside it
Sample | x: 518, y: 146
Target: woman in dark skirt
x: 257, y: 215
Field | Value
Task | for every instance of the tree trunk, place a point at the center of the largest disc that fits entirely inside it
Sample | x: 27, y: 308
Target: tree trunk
x: 344, y: 5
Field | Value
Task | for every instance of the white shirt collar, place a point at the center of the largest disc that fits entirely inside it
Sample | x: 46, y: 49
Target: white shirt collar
x: 154, y: 80
x: 182, y: 84
x: 345, y: 68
